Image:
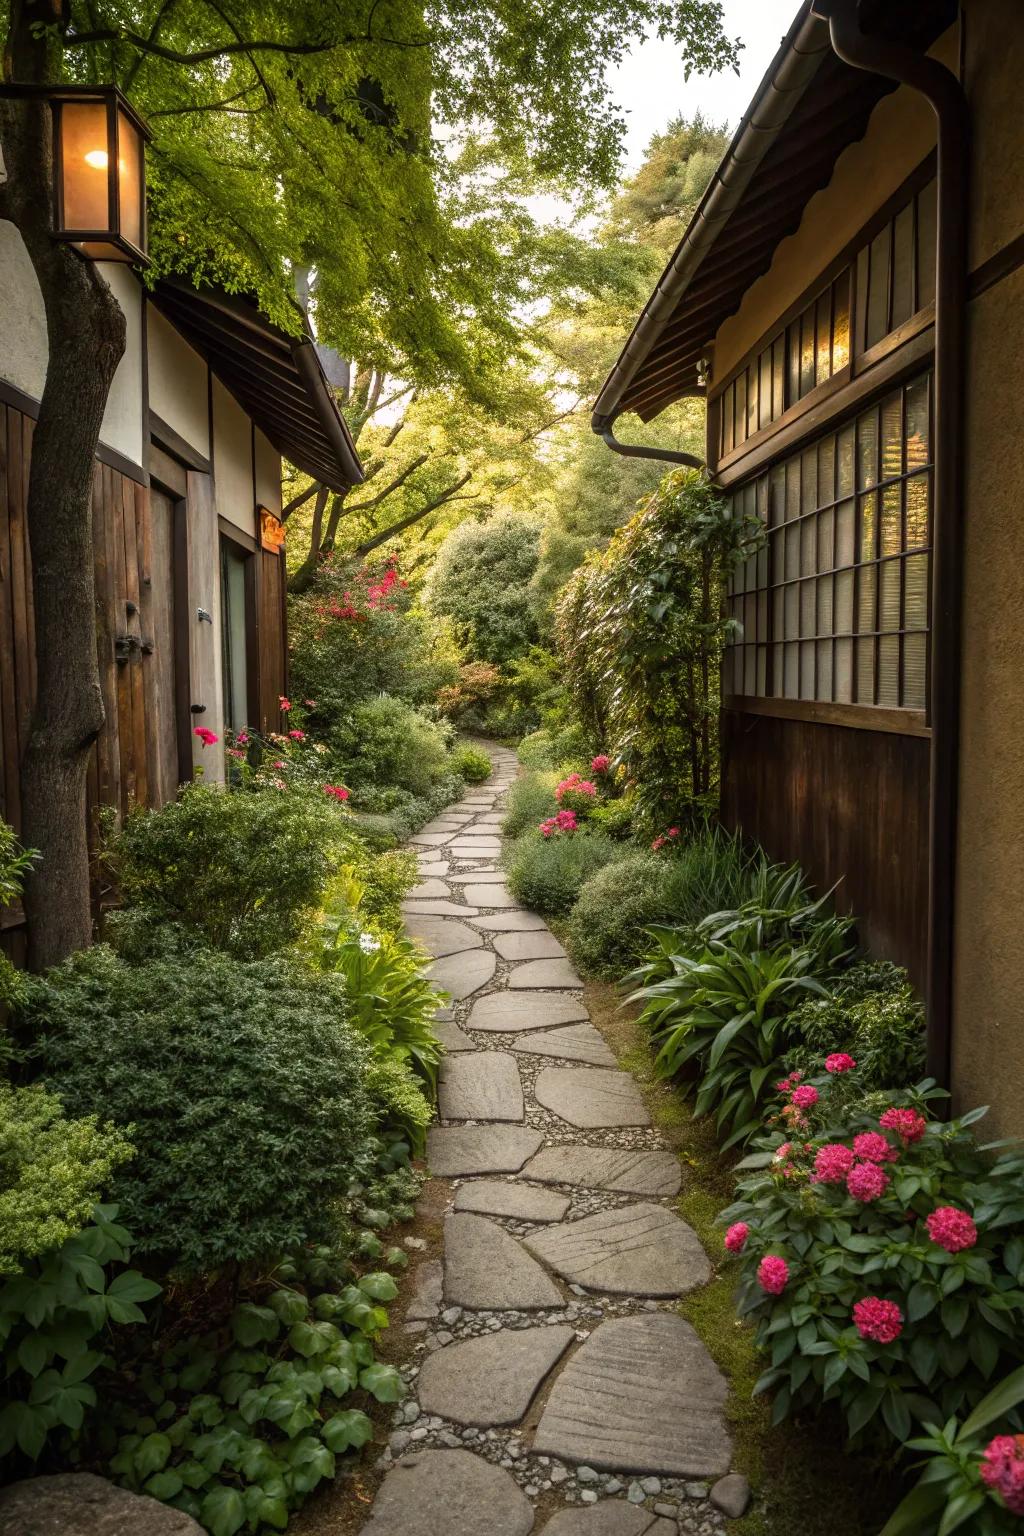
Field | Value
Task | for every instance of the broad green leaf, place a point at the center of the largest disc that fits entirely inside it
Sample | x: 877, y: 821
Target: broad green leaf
x: 379, y: 1286
x: 152, y: 1454
x: 383, y: 1382
x: 252, y: 1325
x: 346, y: 1429
x: 222, y: 1511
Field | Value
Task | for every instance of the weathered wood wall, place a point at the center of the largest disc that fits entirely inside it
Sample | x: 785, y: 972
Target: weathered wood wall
x: 851, y: 806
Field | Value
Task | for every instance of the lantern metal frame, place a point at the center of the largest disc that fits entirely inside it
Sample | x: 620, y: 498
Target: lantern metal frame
x: 114, y: 103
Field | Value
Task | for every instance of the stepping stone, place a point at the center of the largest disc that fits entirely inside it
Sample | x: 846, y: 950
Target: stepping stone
x: 486, y: 1270
x: 437, y: 909
x: 427, y: 1295
x: 612, y: 1517
x: 462, y: 975
x: 589, y: 1099
x: 518, y: 1202
x: 641, y: 1395
x: 510, y: 922
x: 490, y: 1380
x: 489, y: 896
x: 433, y: 867
x: 456, y: 1151
x: 635, y: 1250
x: 430, y: 839
x: 452, y: 1037
x: 481, y: 1085
x: 576, y: 1042
x: 449, y: 1493
x: 481, y: 849
x: 615, y: 1168
x: 507, y: 1012
x: 529, y: 946
x: 441, y: 935
x: 481, y: 877
x: 429, y: 890
x: 535, y: 973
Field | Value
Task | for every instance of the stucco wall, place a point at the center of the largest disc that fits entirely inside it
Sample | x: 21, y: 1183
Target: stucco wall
x: 900, y: 133
x: 232, y: 461
x: 23, y: 342
x: 177, y: 382
x: 993, y: 70
x: 268, y: 474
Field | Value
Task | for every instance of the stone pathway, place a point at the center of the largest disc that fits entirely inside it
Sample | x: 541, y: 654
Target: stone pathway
x: 554, y: 1389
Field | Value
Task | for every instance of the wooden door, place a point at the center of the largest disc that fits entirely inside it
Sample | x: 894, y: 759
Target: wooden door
x: 159, y: 658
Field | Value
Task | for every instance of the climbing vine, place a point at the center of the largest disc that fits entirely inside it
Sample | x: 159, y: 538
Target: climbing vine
x: 641, y: 630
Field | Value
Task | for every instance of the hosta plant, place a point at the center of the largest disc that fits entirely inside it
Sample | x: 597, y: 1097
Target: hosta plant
x: 972, y: 1480
x: 723, y: 1010
x: 881, y: 1255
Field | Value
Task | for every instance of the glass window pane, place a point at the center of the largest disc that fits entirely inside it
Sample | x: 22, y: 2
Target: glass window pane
x: 865, y: 657
x: 778, y: 683
x: 791, y: 672
x: 824, y: 605
x: 728, y: 404
x: 891, y: 529
x: 762, y: 615
x: 765, y: 389
x: 741, y: 410
x: 807, y: 349
x: 809, y: 481
x: 777, y: 494
x: 129, y: 179
x: 889, y: 671
x: 778, y: 614
x: 808, y: 546
x: 791, y: 627
x: 762, y: 566
x: 823, y: 327
x: 917, y: 423
x: 866, y: 598
x: 878, y: 288
x: 842, y: 681
x: 85, y: 178
x: 825, y: 561
x: 840, y: 322
x: 778, y: 555
x: 778, y: 377
x: 915, y: 595
x: 824, y: 654
x: 808, y: 622
x: 750, y: 617
x: 233, y: 635
x: 845, y: 522
x: 793, y: 353
x: 889, y: 595
x: 752, y: 393
x: 826, y: 471
x: 749, y: 669
x: 917, y: 497
x: 867, y: 450
x: 792, y: 551
x: 807, y: 679
x: 892, y: 437
x: 762, y: 670
x: 914, y: 671
x: 903, y: 266
x: 792, y: 489
x: 844, y: 603
x: 844, y: 474
x: 926, y: 246
x: 867, y: 526
x: 861, y: 298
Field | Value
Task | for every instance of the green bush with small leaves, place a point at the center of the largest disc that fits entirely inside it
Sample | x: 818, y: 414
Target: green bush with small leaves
x: 548, y: 874
x: 873, y: 1014
x: 388, y: 742
x: 243, y: 1083
x: 531, y: 800
x: 471, y: 764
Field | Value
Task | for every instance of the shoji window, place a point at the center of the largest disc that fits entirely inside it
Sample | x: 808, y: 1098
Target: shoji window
x: 896, y: 270
x: 834, y: 608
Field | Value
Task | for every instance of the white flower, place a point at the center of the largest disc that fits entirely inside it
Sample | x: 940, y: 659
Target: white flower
x: 367, y: 943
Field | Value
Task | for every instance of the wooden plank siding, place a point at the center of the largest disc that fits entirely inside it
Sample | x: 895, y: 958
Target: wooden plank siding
x: 851, y: 805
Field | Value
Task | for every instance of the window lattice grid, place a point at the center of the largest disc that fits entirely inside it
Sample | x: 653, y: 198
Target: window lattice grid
x: 834, y: 607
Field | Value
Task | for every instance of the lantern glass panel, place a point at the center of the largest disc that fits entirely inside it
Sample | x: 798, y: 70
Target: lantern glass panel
x: 84, y: 165
x: 129, y: 179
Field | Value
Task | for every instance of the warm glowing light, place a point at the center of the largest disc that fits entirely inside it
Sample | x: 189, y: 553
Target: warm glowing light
x: 97, y: 158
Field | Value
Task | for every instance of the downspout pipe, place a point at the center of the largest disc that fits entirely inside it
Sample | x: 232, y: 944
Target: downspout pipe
x: 945, y: 95
x: 606, y: 432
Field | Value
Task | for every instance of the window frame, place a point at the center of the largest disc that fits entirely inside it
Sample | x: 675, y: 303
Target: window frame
x: 247, y: 549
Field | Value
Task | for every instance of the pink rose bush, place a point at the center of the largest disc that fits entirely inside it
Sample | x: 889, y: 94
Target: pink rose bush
x: 562, y: 822
x: 881, y: 1258
x: 1002, y: 1470
x: 577, y: 794
x: 838, y: 1062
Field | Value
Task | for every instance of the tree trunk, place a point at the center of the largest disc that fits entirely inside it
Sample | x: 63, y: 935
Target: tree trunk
x: 86, y: 332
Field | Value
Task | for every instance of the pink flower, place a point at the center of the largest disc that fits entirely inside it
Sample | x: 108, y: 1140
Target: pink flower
x: 278, y: 764
x: 873, y: 1148
x: 600, y: 764
x: 804, y: 1097
x: 658, y: 844
x: 736, y: 1237
x: 336, y: 791
x: 234, y: 752
x: 879, y: 1320
x: 839, y: 1061
x: 242, y: 738
x: 205, y: 736
x: 284, y: 703
x: 1002, y: 1470
x: 279, y: 783
x: 310, y: 703
x: 773, y: 1274
x: 907, y: 1123
x: 951, y: 1229
x: 673, y: 831
x: 832, y: 1163
x: 297, y: 735
x: 781, y: 1153
x: 866, y: 1181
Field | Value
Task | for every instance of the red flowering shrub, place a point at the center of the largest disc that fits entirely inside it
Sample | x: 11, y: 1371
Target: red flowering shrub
x: 576, y: 794
x: 903, y: 1247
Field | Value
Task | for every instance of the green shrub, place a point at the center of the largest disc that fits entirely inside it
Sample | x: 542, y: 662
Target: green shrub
x: 534, y: 751
x: 382, y: 880
x: 243, y: 1085
x: 388, y: 742
x: 547, y: 874
x: 888, y: 1205
x: 874, y: 1016
x: 405, y: 813
x: 52, y: 1172
x: 56, y: 1318
x: 481, y: 579
x: 398, y: 1096
x: 243, y: 872
x: 531, y: 799
x: 471, y: 764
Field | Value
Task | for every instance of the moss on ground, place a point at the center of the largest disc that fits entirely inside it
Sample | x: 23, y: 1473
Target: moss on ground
x: 805, y: 1483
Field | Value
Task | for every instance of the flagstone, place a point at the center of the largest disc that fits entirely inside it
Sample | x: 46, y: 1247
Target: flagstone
x: 452, y: 1037
x: 434, y: 866
x: 633, y: 1250
x: 612, y: 1517
x: 576, y: 1042
x: 430, y: 839
x: 491, y: 1380
x: 441, y: 936
x: 516, y: 1202
x: 429, y: 890
x: 481, y: 1085
x: 489, y: 896
x: 514, y: 921
x: 505, y: 1012
x: 642, y: 1394
x: 427, y: 1295
x: 462, y: 975
x: 536, y: 973
x: 449, y: 1492
x: 481, y: 877
x: 457, y: 1151
x: 591, y: 1099
x: 487, y: 1270
x: 616, y: 1168
x: 529, y: 946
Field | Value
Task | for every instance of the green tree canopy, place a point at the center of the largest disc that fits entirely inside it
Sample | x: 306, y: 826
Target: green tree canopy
x: 481, y: 581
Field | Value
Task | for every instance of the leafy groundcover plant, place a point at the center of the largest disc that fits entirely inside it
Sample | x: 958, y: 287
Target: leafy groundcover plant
x: 881, y: 1254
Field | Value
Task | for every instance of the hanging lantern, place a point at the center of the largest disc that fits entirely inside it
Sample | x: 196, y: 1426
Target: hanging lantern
x: 99, y: 170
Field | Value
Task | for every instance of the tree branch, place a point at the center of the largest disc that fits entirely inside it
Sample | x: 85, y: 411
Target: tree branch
x: 299, y: 501
x: 415, y: 517
x: 363, y: 506
x: 149, y: 45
